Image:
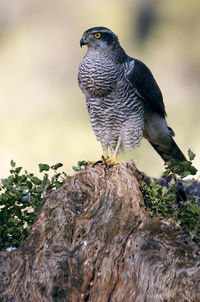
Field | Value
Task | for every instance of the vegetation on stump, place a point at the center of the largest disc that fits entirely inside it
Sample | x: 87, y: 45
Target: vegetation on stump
x: 95, y: 240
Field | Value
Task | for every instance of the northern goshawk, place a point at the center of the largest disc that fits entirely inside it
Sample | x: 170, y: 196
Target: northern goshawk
x: 123, y: 99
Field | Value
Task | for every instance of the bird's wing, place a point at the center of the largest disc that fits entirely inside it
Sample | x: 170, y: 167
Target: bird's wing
x: 141, y: 78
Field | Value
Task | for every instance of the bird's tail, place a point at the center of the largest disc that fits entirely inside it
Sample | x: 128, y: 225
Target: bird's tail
x: 170, y: 152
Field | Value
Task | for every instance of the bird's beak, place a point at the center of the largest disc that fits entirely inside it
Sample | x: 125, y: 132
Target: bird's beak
x: 83, y: 41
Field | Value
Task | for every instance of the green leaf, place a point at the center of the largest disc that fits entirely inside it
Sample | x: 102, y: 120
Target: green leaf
x: 191, y: 154
x: 76, y: 169
x: 36, y: 180
x: 195, y: 209
x: 193, y: 170
x: 12, y: 163
x: 29, y: 184
x: 10, y: 230
x: 17, y: 211
x: 164, y: 190
x: 188, y: 183
x: 81, y: 163
x: 44, y: 167
x: 4, y: 181
x: 17, y: 170
x: 185, y: 173
x: 56, y: 166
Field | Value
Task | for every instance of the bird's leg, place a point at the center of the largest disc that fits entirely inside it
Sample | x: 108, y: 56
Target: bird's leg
x: 114, y: 160
x: 105, y: 153
x: 117, y: 149
x: 104, y: 159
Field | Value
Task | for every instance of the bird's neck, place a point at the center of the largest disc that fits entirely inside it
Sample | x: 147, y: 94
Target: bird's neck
x: 115, y: 53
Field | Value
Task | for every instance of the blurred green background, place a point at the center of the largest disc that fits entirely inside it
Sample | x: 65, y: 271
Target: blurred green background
x: 43, y: 116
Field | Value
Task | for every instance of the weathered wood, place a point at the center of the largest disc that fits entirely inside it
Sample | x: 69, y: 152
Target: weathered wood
x: 93, y: 240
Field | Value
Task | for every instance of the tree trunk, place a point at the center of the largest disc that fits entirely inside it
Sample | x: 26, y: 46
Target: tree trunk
x: 93, y: 240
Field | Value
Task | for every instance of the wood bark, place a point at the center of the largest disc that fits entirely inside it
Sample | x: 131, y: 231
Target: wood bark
x: 93, y: 240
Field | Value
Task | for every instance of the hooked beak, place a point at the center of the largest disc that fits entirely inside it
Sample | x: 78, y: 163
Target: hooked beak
x: 83, y: 41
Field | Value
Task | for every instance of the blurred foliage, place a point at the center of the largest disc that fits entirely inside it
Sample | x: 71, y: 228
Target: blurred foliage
x: 80, y: 165
x: 183, y: 169
x: 41, y: 104
x: 168, y: 202
x: 20, y: 197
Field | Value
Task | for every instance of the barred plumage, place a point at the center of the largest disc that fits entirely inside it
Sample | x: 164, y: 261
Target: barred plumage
x: 115, y: 109
x: 123, y: 100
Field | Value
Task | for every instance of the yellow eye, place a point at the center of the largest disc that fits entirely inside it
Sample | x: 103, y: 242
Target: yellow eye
x: 97, y: 35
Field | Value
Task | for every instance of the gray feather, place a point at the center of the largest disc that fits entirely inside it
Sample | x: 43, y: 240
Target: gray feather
x: 114, y: 107
x: 123, y: 99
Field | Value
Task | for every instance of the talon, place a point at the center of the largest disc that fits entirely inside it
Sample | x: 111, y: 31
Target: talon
x: 96, y: 163
x: 106, y: 167
x: 105, y: 158
x: 111, y: 162
x: 104, y: 161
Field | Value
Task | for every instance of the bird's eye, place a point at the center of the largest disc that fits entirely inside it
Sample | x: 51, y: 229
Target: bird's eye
x: 97, y: 35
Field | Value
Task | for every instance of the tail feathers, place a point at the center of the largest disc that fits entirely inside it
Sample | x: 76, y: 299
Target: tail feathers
x: 170, y: 152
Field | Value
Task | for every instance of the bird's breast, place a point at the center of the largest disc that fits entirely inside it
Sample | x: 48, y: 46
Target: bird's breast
x: 98, y: 75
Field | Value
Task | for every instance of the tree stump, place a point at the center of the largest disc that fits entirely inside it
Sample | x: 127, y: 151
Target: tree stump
x: 93, y: 240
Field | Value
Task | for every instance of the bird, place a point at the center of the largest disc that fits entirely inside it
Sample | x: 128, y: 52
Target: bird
x: 123, y: 99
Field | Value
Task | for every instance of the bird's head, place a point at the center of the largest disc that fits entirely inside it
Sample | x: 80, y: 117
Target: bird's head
x: 99, y: 37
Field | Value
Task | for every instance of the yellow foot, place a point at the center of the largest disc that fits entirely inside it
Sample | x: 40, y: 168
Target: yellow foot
x: 113, y: 161
x: 105, y: 161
